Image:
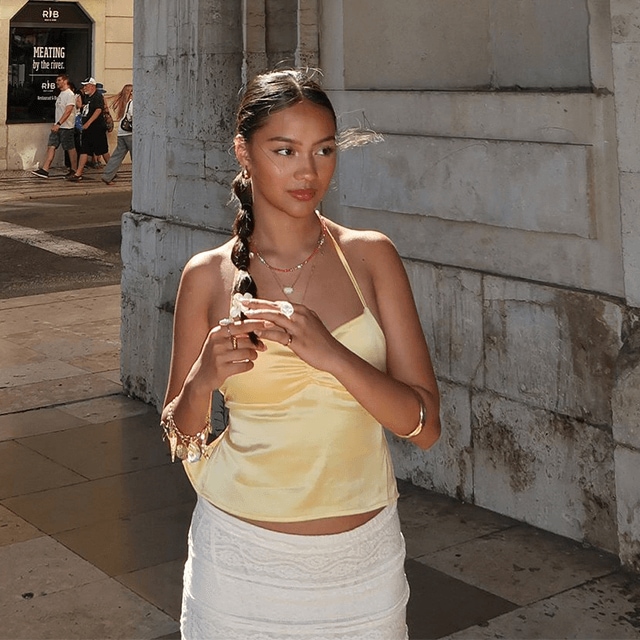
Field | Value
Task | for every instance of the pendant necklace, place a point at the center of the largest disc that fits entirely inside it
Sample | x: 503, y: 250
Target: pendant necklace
x: 286, y: 289
x: 289, y: 289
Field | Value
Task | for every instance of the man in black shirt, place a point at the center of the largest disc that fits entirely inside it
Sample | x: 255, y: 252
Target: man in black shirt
x: 93, y: 138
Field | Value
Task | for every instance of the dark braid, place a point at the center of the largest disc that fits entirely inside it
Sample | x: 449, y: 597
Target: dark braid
x: 241, y: 253
x: 243, y: 229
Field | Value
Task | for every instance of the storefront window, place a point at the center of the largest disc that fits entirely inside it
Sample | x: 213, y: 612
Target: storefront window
x: 46, y: 39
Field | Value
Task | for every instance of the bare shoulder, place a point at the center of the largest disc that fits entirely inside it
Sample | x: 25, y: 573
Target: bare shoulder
x: 209, y: 264
x: 208, y: 275
x: 366, y: 247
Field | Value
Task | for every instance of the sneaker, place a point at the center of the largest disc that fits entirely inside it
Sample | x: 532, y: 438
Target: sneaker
x: 74, y: 178
x: 41, y: 173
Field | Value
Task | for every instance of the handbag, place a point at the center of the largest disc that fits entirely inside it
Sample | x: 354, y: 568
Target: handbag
x: 126, y: 124
x: 78, y: 122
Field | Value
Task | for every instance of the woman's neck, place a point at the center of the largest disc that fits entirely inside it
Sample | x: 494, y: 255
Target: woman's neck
x: 287, y: 241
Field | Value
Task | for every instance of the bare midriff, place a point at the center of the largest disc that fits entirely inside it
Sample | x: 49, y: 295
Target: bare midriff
x: 319, y: 527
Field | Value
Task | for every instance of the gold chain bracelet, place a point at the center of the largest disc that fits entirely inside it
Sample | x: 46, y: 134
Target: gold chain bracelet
x: 421, y: 421
x: 181, y: 445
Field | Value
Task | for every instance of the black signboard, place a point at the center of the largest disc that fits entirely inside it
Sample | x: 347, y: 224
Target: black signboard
x: 55, y: 14
x: 46, y: 39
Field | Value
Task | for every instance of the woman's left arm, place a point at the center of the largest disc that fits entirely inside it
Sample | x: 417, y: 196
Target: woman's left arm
x: 393, y: 398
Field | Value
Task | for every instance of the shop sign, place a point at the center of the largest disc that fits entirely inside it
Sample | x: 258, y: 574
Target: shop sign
x: 46, y: 39
x: 50, y: 13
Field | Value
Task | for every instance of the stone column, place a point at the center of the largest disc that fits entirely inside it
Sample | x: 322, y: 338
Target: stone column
x: 187, y: 75
x: 255, y: 38
x: 625, y: 22
x: 307, y: 53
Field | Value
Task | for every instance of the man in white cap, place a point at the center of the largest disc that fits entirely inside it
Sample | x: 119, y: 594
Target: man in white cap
x: 62, y: 131
x: 93, y: 137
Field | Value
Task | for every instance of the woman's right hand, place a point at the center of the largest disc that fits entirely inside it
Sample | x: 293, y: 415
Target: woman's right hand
x: 226, y: 351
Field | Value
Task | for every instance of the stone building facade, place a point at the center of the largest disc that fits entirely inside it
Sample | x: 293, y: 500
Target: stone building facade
x: 508, y: 179
x: 109, y: 26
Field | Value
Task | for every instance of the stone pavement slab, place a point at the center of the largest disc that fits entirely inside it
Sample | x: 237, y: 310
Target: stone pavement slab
x: 54, y: 593
x: 30, y: 423
x: 604, y: 609
x: 70, y: 344
x: 44, y: 474
x: 160, y: 584
x: 94, y: 611
x: 15, y: 529
x: 522, y: 564
x: 97, y: 501
x: 23, y: 185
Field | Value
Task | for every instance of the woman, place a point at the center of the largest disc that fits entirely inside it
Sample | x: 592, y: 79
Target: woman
x: 122, y: 106
x: 310, y: 332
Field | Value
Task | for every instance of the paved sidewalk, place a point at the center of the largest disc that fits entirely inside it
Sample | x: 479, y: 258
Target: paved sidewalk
x: 23, y: 185
x: 94, y: 517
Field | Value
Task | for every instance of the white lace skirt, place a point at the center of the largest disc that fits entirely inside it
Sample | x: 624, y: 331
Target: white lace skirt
x: 247, y: 583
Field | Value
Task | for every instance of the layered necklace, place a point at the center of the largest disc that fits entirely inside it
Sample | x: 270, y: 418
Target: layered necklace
x: 288, y: 289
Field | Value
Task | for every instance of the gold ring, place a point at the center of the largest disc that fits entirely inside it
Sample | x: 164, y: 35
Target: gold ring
x: 289, y: 340
x: 234, y: 342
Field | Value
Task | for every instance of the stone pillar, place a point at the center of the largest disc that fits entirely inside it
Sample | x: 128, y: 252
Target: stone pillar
x: 188, y: 72
x: 307, y: 53
x: 255, y: 38
x: 625, y: 17
x: 625, y: 22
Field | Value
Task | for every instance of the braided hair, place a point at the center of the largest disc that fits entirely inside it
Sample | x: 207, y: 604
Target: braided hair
x: 266, y: 94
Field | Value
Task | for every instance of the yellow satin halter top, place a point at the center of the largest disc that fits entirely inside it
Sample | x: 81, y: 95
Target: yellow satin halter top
x: 298, y: 445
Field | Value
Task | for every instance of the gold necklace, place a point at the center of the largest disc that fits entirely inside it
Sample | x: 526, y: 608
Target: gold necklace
x: 298, y: 266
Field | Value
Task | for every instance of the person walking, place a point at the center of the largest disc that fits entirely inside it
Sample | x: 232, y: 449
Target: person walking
x: 93, y: 137
x: 122, y: 106
x: 309, y: 330
x: 61, y: 133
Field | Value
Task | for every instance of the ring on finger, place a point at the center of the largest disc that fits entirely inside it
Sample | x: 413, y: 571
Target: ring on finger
x: 234, y: 342
x: 289, y: 341
x: 286, y: 308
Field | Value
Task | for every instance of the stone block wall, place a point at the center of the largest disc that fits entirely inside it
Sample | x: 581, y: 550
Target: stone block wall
x: 625, y: 23
x: 526, y: 373
x: 515, y: 213
x: 466, y: 44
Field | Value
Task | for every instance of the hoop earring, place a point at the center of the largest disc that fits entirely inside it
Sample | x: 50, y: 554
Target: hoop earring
x: 246, y: 176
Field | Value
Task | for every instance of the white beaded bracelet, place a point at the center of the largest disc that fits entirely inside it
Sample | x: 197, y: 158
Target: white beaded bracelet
x: 421, y: 421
